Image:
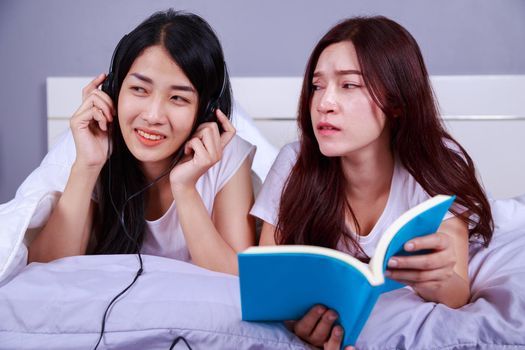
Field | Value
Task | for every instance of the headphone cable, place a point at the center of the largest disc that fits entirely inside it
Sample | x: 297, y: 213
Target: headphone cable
x: 120, y: 215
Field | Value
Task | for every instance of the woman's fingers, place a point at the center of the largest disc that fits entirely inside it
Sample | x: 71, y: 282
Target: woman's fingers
x: 420, y: 276
x: 210, y: 130
x: 219, y: 140
x: 99, y: 103
x: 202, y: 151
x: 94, y: 113
x: 100, y: 118
x: 227, y: 126
x: 435, y: 241
x: 209, y: 135
x: 317, y: 328
x: 201, y: 155
x: 335, y: 340
x: 430, y: 261
x: 92, y: 97
x: 105, y: 100
x: 91, y: 119
x: 93, y: 85
x: 425, y: 268
x: 100, y: 100
x: 304, y: 327
x: 212, y: 146
x: 90, y: 124
x: 321, y: 331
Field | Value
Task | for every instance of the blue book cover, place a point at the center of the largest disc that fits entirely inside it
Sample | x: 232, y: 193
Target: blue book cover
x: 279, y: 283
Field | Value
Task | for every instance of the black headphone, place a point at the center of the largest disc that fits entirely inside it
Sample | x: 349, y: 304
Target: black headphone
x: 209, y: 112
x: 109, y: 86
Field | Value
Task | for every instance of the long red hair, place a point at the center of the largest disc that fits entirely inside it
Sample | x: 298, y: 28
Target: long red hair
x: 313, y: 202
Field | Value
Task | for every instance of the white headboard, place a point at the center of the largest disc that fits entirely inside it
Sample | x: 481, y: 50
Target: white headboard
x: 486, y: 114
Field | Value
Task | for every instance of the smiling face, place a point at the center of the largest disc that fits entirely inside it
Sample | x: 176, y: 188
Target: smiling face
x: 345, y: 119
x: 157, y: 107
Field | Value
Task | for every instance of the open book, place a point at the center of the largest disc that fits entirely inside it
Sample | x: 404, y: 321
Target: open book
x: 283, y: 282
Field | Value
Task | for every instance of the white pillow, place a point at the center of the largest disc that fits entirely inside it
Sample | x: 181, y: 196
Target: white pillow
x: 60, y: 305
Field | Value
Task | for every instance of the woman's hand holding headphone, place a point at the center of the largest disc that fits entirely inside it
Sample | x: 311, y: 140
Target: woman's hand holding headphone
x: 90, y: 125
x: 201, y: 152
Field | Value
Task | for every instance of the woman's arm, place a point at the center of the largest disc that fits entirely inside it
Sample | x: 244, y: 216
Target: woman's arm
x: 442, y: 275
x: 67, y: 231
x: 267, y: 234
x: 214, y: 242
x: 231, y: 210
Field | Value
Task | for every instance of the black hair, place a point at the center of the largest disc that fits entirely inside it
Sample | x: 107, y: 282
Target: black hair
x: 195, y: 48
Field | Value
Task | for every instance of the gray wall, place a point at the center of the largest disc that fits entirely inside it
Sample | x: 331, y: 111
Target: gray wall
x: 260, y: 38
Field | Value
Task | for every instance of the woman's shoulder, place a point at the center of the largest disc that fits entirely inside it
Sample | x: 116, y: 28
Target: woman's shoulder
x: 267, y: 203
x: 238, y: 144
x: 291, y: 148
x: 289, y: 153
x: 285, y: 160
x: 235, y: 152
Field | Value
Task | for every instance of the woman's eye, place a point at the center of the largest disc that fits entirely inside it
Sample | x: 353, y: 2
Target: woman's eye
x: 350, y: 86
x: 316, y: 87
x: 138, y: 89
x: 179, y: 99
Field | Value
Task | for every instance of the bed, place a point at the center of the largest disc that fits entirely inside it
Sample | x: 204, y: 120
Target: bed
x: 60, y: 305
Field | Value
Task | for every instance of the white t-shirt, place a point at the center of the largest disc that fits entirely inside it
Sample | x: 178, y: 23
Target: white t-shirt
x: 405, y: 193
x: 164, y: 236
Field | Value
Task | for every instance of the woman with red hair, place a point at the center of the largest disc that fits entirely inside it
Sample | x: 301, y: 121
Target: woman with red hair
x: 372, y: 145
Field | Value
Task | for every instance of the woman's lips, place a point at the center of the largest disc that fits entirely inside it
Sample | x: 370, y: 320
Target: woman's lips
x: 327, y: 129
x: 149, y: 137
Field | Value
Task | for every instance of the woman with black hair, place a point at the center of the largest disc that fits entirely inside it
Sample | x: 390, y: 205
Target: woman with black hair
x: 372, y: 146
x: 158, y: 167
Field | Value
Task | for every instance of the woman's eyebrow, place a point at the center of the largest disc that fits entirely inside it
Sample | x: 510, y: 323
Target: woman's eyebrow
x: 339, y: 72
x: 348, y: 71
x: 173, y: 87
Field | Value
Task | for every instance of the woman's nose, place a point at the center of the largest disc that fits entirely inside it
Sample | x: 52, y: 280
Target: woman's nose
x: 328, y: 101
x: 153, y: 113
